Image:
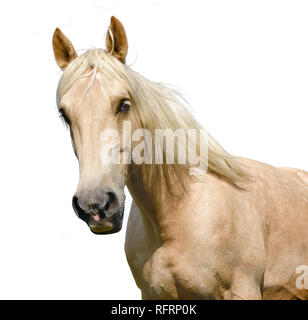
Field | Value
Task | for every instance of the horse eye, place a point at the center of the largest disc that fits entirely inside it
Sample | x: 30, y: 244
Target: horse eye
x: 63, y: 116
x: 124, y: 106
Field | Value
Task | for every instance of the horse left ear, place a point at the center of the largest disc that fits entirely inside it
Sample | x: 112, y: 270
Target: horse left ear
x: 63, y: 49
x: 116, y: 40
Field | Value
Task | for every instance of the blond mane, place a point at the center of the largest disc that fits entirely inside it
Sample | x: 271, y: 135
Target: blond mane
x: 157, y: 107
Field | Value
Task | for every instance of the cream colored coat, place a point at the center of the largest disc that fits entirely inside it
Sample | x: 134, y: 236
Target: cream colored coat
x: 218, y: 241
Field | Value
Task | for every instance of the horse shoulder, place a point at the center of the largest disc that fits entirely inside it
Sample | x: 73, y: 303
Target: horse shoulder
x: 140, y: 243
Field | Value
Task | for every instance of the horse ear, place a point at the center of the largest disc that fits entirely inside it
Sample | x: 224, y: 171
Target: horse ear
x: 116, y: 40
x: 63, y: 49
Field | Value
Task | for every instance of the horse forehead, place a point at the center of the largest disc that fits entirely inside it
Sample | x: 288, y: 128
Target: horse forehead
x: 108, y: 86
x: 101, y: 86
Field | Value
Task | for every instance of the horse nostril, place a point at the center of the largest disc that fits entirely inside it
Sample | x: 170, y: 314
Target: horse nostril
x: 110, y: 200
x: 75, y: 202
x: 79, y: 211
x: 107, y: 205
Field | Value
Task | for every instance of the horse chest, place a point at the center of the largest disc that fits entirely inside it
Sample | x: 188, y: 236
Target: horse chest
x: 162, y: 271
x: 163, y: 277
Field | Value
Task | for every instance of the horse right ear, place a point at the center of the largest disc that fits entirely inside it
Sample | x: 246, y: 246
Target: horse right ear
x: 63, y: 49
x: 116, y: 40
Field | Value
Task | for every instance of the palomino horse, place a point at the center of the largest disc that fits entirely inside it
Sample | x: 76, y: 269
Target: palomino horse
x: 238, y: 230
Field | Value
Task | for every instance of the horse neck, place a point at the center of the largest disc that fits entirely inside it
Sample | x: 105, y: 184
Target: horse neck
x: 156, y: 205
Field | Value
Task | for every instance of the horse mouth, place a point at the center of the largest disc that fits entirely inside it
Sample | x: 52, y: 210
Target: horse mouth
x: 105, y: 228
x: 99, y: 225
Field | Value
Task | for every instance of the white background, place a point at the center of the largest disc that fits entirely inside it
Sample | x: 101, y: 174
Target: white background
x: 242, y: 65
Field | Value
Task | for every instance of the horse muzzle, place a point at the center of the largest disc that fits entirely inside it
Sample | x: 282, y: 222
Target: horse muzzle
x: 103, y: 214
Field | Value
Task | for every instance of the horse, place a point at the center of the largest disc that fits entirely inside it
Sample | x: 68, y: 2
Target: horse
x: 225, y: 227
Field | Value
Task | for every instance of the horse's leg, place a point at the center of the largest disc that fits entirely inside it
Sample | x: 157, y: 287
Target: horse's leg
x: 244, y: 288
x: 140, y: 244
